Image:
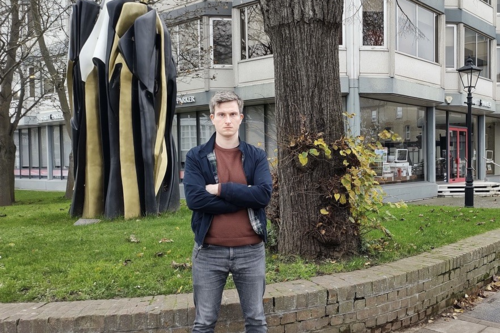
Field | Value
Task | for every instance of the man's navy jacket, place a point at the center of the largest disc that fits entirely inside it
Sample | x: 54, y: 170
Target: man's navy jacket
x: 201, y: 170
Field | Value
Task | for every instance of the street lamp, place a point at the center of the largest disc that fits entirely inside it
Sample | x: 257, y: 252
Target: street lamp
x: 469, y: 74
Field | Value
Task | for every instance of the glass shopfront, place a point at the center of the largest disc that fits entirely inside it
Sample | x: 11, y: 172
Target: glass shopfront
x: 399, y: 161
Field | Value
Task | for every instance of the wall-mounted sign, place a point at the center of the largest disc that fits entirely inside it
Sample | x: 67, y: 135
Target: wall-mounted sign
x: 480, y: 102
x: 49, y: 117
x: 186, y: 100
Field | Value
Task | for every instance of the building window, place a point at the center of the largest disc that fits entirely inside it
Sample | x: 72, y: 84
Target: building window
x: 373, y: 23
x: 32, y: 78
x: 399, y: 112
x: 451, y: 42
x: 498, y: 64
x: 254, y: 41
x: 186, y: 45
x: 487, y: 1
x: 48, y: 86
x: 221, y: 41
x: 416, y: 30
x: 407, y: 133
x: 477, y: 46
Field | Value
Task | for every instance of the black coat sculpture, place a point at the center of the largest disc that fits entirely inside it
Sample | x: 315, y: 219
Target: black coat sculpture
x: 131, y: 92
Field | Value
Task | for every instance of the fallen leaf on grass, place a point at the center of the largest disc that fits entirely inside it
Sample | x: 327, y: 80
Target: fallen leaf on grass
x: 126, y: 262
x: 166, y: 240
x: 159, y: 254
x: 3, y: 215
x: 139, y: 255
x: 133, y: 239
x: 181, y: 265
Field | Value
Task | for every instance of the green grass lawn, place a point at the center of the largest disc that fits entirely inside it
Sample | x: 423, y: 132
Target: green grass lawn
x: 44, y: 257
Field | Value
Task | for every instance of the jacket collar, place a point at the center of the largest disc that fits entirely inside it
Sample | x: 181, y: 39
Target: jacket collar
x: 208, y: 147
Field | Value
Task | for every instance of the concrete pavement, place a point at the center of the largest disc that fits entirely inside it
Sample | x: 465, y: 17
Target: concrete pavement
x: 483, y: 318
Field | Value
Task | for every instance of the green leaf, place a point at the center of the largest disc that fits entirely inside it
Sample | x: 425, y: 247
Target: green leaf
x: 313, y: 152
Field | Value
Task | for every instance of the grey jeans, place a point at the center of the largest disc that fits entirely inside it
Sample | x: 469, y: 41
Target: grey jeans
x: 211, y: 267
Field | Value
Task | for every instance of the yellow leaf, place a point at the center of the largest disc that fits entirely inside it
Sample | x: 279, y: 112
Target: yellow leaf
x: 319, y: 142
x: 343, y: 199
x: 324, y: 211
x: 345, y: 162
x: 336, y: 196
x: 303, y: 158
x: 140, y: 254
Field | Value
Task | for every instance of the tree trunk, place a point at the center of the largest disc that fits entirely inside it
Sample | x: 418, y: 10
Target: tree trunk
x: 7, y: 160
x: 304, y: 37
x: 7, y: 146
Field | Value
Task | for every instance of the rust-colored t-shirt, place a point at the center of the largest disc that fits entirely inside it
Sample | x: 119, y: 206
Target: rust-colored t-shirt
x: 233, y: 229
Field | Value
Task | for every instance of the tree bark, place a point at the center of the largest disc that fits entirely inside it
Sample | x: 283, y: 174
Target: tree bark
x: 7, y: 160
x: 304, y: 37
x: 7, y: 146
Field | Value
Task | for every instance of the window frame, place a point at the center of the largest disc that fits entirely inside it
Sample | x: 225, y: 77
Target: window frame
x: 455, y: 49
x: 435, y: 30
x: 244, y: 39
x: 385, y: 29
x: 178, y: 46
x: 498, y: 64
x: 489, y: 76
x: 32, y: 81
x: 211, y: 34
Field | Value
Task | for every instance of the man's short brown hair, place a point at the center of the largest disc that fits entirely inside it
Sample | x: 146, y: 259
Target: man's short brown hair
x: 225, y: 96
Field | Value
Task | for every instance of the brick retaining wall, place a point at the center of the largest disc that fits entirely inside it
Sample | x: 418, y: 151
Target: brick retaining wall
x: 378, y: 299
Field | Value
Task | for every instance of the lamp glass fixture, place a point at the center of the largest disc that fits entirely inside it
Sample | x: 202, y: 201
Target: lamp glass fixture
x: 469, y: 74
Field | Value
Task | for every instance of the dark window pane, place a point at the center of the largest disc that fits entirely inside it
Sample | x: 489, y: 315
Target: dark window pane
x: 373, y: 23
x: 222, y: 42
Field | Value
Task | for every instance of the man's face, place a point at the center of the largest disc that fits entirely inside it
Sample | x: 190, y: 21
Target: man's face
x: 227, y: 119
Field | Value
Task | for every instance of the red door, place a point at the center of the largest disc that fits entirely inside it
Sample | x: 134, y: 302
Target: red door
x: 458, y: 154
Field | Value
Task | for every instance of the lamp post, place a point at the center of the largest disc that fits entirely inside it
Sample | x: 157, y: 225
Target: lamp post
x: 469, y: 74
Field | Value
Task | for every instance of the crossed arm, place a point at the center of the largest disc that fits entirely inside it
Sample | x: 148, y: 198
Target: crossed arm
x: 203, y: 197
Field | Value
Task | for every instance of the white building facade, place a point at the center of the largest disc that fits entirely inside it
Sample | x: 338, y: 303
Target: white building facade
x: 394, y: 75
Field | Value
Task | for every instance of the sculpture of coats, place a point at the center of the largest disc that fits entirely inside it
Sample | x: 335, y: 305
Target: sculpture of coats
x: 121, y: 82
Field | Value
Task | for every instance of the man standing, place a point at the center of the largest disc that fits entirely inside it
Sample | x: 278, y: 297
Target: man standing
x: 227, y: 184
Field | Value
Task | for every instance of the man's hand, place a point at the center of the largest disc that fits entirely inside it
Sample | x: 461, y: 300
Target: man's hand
x: 212, y: 188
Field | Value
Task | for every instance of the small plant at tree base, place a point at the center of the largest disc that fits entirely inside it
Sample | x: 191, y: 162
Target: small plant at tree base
x: 353, y: 191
